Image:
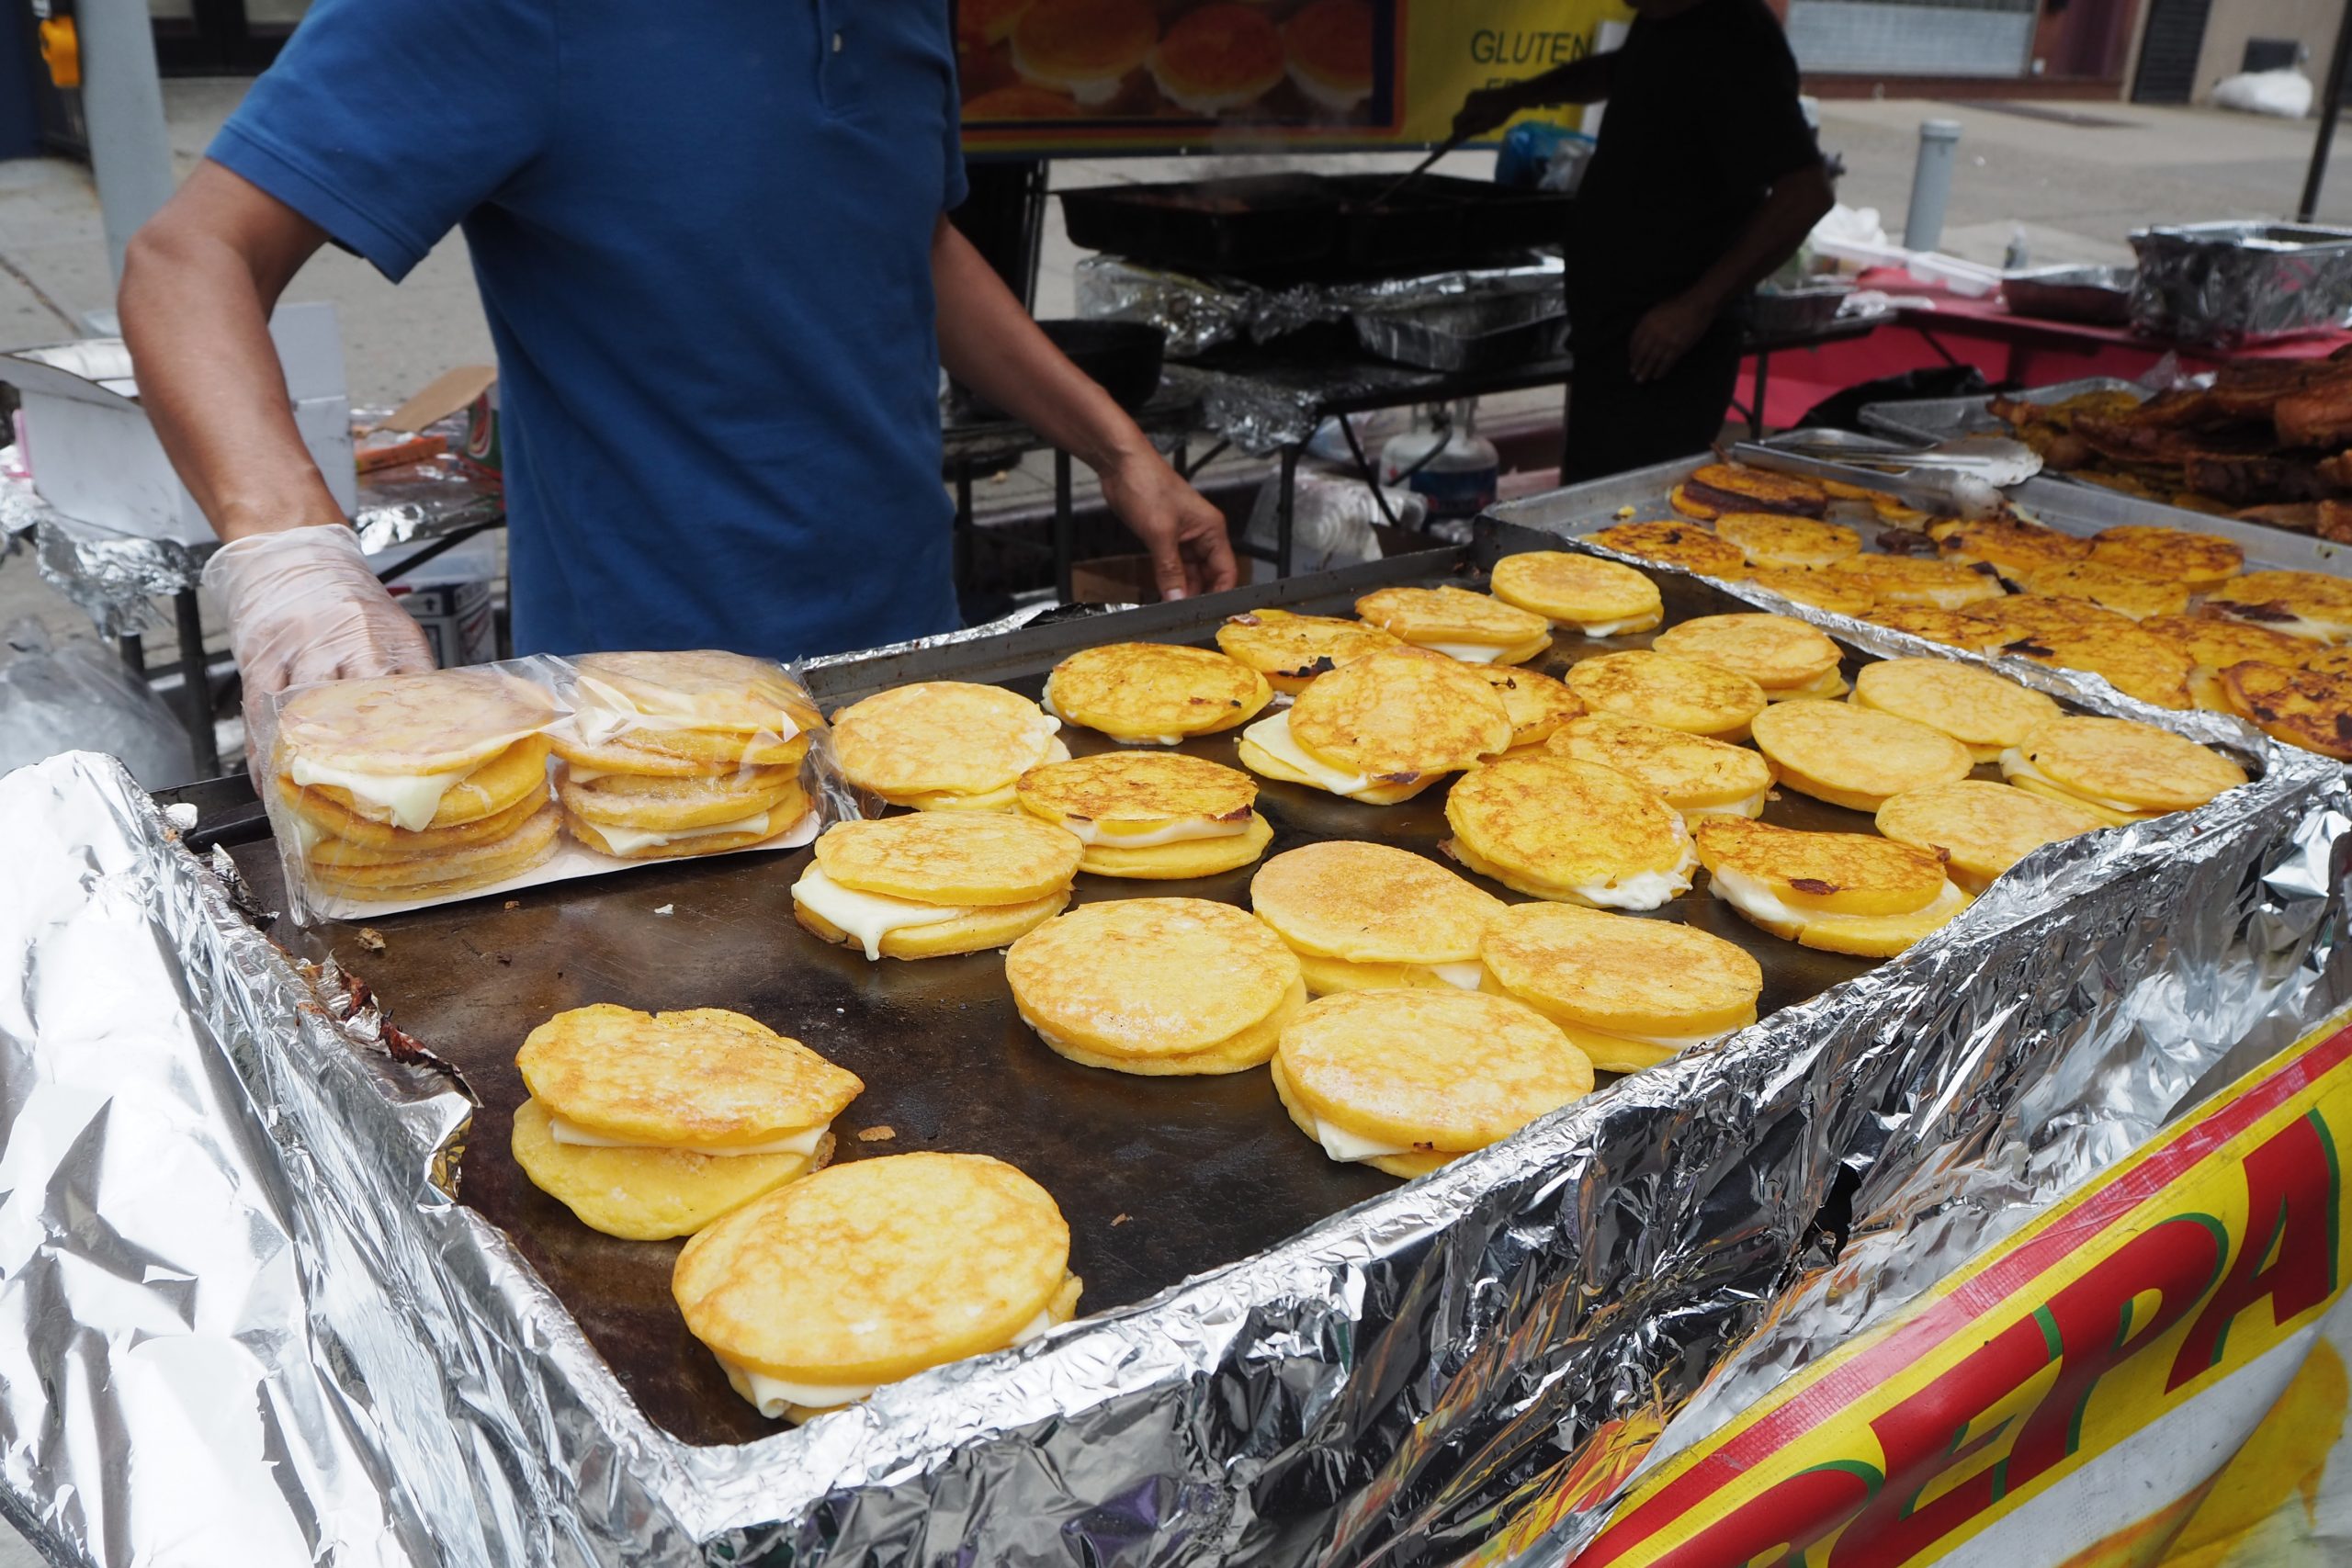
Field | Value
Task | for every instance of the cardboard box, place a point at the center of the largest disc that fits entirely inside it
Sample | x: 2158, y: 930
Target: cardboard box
x: 95, y: 458
x: 1113, y: 580
x: 457, y: 620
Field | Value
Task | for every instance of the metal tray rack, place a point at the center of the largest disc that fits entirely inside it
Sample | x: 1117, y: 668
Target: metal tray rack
x: 1160, y: 1178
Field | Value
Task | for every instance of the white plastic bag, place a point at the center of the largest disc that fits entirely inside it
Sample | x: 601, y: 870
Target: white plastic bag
x: 76, y: 697
x: 2285, y: 93
x: 1331, y: 518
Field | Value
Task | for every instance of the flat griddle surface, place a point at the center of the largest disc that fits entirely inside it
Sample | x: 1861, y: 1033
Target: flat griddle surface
x: 1160, y: 1178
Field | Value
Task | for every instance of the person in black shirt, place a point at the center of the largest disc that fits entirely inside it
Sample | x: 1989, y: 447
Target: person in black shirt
x: 1704, y: 180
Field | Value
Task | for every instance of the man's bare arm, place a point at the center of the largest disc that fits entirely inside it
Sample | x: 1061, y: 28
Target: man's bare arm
x: 1582, y: 81
x: 987, y: 341
x: 199, y: 284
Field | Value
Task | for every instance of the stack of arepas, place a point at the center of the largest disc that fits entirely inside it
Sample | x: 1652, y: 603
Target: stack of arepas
x: 689, y: 753
x: 416, y: 786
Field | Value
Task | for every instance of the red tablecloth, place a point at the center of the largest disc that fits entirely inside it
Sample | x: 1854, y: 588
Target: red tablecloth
x: 2014, y: 350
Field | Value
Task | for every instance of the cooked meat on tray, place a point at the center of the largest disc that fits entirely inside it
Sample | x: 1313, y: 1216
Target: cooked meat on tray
x: 2269, y: 440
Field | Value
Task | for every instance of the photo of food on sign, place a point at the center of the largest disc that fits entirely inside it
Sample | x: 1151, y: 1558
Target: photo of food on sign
x: 1287, y: 62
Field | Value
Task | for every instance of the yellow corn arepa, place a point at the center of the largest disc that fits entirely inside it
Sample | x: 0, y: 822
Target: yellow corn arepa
x: 2120, y: 770
x: 1154, y: 693
x: 1404, y: 1080
x: 682, y: 753
x: 1850, y: 893
x: 1551, y: 826
x: 1981, y: 710
x: 2198, y: 561
x: 1980, y: 828
x: 1772, y: 539
x: 943, y: 745
x: 1787, y: 657
x: 1538, y: 704
x: 1630, y: 992
x: 1686, y: 545
x: 416, y: 786
x: 1820, y: 589
x: 2306, y: 604
x: 1855, y: 757
x: 1953, y: 628
x: 376, y: 806
x: 332, y: 824
x: 2030, y: 614
x: 700, y: 706
x: 438, y: 725
x: 1679, y: 693
x: 817, y: 1294
x: 1150, y: 815
x: 1290, y: 650
x: 2016, y: 549
x: 699, y: 1079
x: 2128, y: 658
x: 1364, y: 917
x: 1383, y: 728
x: 1911, y: 579
x: 1598, y: 598
x: 1696, y: 776
x: 2310, y: 708
x: 369, y: 874
x: 935, y: 883
x: 652, y: 1124
x: 2111, y: 588
x: 1159, y: 987
x: 647, y: 1194
x: 1476, y: 628
x: 2214, y: 644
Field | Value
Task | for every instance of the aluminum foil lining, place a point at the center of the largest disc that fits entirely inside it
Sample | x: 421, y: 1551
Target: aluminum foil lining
x: 2219, y: 285
x: 238, y: 1290
x: 1202, y: 313
x: 113, y: 576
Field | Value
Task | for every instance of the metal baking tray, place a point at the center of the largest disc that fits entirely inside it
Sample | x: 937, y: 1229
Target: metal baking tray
x: 1295, y: 227
x: 1160, y: 1178
x: 1480, y: 332
x: 2225, y: 284
x: 1948, y: 419
x: 2077, y: 509
x: 2100, y: 295
x: 2076, y: 505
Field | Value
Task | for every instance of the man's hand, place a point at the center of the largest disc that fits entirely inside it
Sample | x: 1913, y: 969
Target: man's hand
x: 1663, y: 336
x: 1484, y: 109
x: 303, y: 607
x: 1181, y: 528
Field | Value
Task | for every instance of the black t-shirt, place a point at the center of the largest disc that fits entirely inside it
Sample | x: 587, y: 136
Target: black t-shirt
x: 1702, y: 119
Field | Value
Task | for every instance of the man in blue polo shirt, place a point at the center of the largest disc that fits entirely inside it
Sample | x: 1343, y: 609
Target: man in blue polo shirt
x: 711, y: 243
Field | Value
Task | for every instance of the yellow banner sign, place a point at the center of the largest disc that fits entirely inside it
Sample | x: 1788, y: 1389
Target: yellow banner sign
x: 2071, y: 1397
x: 1077, y: 77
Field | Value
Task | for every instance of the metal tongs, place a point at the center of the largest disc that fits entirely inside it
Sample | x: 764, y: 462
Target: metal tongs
x: 1957, y: 489
x: 1418, y: 170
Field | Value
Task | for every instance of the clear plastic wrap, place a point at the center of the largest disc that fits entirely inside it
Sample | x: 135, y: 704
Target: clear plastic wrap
x: 416, y: 790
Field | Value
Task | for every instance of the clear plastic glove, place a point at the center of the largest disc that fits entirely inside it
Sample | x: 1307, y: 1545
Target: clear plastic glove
x: 303, y: 607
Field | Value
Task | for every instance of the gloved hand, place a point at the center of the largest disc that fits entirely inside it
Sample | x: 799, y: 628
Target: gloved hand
x: 303, y: 607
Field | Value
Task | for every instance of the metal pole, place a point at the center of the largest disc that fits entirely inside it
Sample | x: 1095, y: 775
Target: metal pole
x: 131, y: 153
x: 2330, y: 95
x: 1931, y: 183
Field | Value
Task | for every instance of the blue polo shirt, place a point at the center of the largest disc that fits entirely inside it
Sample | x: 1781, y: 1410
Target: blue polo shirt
x: 702, y: 231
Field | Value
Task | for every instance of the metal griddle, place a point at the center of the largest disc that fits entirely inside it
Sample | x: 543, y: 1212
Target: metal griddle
x: 1160, y: 1178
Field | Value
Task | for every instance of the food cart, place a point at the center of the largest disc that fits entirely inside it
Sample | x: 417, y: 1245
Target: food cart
x: 280, y: 1288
